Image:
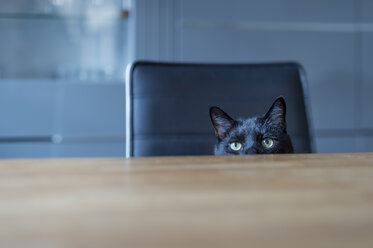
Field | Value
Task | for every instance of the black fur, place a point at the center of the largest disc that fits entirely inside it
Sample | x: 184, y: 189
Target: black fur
x: 251, y: 132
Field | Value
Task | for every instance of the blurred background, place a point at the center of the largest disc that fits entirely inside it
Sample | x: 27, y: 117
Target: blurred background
x: 62, y: 64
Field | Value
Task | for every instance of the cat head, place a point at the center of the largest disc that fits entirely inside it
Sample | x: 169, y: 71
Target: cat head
x: 256, y: 135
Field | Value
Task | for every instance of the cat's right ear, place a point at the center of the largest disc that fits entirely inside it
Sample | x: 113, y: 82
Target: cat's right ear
x: 221, y: 121
x: 276, y: 114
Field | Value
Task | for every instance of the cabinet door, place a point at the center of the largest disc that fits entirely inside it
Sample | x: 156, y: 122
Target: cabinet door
x: 91, y: 120
x: 46, y: 118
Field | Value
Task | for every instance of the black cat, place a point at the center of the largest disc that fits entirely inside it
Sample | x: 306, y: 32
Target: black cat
x: 256, y: 135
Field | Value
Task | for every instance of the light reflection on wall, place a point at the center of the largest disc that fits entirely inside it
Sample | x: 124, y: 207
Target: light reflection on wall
x: 65, y: 39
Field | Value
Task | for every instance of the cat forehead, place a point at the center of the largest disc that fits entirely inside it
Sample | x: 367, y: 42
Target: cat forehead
x: 249, y: 125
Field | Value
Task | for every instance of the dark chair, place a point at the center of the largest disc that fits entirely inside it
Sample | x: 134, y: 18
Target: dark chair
x: 168, y: 103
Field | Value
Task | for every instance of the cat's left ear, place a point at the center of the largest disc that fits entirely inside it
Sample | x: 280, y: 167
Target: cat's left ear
x: 276, y: 114
x: 221, y: 121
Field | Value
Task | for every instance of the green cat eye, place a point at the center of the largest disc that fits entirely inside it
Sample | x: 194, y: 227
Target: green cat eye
x: 235, y: 146
x: 267, y: 143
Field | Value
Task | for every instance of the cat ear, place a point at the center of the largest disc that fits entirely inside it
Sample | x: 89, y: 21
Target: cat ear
x: 276, y: 114
x: 221, y: 121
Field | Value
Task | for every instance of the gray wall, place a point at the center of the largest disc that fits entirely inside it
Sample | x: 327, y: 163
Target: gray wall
x: 62, y: 88
x: 332, y: 39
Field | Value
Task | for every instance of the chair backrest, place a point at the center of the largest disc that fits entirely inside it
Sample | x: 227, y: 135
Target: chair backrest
x: 168, y: 104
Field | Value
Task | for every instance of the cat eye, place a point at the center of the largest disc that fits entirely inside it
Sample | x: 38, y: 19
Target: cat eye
x: 267, y: 143
x: 235, y: 146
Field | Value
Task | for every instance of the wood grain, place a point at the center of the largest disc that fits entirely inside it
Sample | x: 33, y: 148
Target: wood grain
x: 314, y: 200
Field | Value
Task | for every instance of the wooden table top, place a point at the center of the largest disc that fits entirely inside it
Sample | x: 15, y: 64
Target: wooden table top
x: 315, y: 200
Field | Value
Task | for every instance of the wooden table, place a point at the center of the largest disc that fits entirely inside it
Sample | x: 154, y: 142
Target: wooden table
x: 247, y: 201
